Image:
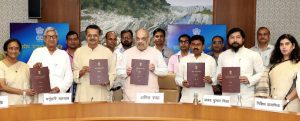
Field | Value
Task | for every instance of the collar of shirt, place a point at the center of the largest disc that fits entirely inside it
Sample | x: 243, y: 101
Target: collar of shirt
x: 268, y: 47
x: 46, y: 49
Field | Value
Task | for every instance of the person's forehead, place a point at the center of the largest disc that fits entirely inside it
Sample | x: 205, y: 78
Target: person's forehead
x: 72, y: 36
x: 52, y: 32
x: 217, y: 39
x: 91, y: 30
x: 263, y: 31
x: 142, y: 33
x: 184, y: 38
x: 236, y: 34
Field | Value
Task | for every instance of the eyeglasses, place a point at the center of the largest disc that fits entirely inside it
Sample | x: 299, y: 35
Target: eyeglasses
x: 51, y: 36
x: 184, y: 42
x: 217, y: 42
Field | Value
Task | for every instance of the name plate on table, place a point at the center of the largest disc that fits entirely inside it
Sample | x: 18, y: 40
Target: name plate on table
x: 3, y: 101
x: 214, y: 100
x: 58, y: 98
x: 268, y: 104
x: 149, y: 98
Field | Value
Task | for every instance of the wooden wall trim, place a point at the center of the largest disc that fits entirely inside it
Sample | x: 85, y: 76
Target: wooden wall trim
x: 233, y: 13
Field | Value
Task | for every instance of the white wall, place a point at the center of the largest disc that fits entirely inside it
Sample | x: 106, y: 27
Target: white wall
x: 280, y: 16
x: 12, y: 11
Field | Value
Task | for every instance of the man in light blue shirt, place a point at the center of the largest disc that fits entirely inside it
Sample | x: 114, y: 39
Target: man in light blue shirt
x: 262, y: 46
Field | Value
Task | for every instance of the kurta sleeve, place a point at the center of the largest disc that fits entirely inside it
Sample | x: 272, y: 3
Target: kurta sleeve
x: 258, y: 69
x: 121, y: 67
x: 34, y: 58
x: 68, y: 76
x: 76, y: 66
x: 112, y: 68
x: 179, y: 78
x: 213, y: 67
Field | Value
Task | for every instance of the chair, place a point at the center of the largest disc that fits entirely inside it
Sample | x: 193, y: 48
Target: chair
x: 167, y: 85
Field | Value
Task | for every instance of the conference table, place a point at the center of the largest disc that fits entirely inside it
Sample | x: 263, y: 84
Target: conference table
x: 128, y: 111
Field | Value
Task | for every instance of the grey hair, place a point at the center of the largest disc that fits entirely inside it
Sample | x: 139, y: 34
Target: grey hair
x: 50, y: 29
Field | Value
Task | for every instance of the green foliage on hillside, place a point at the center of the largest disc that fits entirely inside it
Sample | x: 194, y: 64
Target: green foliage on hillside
x: 135, y: 8
x: 206, y: 11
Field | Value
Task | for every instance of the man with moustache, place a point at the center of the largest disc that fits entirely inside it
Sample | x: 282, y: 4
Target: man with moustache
x: 263, y: 47
x: 126, y: 41
x: 184, y: 46
x: 197, y: 46
x: 57, y: 61
x: 250, y: 63
x: 92, y: 50
x: 217, y: 47
x: 111, y: 40
x: 157, y: 66
x: 72, y: 44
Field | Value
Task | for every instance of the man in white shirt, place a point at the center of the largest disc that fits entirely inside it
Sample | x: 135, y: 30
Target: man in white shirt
x: 197, y: 46
x: 160, y: 44
x: 263, y: 47
x: 56, y: 60
x: 184, y: 46
x: 157, y: 66
x: 250, y: 63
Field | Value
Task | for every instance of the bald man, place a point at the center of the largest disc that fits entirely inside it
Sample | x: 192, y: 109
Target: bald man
x: 157, y: 66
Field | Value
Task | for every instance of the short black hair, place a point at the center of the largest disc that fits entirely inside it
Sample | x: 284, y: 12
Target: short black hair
x: 159, y: 30
x: 184, y: 35
x: 71, y: 33
x: 233, y: 30
x: 5, y: 46
x: 125, y: 31
x: 93, y: 26
x: 217, y: 37
x: 197, y: 37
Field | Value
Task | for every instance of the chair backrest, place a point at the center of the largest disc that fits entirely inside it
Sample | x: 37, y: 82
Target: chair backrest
x: 167, y: 82
x: 167, y: 85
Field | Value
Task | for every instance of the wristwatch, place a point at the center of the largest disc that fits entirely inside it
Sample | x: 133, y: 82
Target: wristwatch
x: 286, y: 100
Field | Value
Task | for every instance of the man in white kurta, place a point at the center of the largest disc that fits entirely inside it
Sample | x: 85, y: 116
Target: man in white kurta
x: 92, y: 50
x: 57, y: 61
x: 250, y: 63
x: 157, y: 66
x: 187, y: 93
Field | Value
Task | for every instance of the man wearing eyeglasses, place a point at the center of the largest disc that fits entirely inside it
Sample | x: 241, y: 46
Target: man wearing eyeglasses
x: 56, y: 60
x: 184, y: 51
x: 217, y: 47
x: 92, y: 50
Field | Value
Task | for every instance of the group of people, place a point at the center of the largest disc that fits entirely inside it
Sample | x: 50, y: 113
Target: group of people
x: 265, y: 70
